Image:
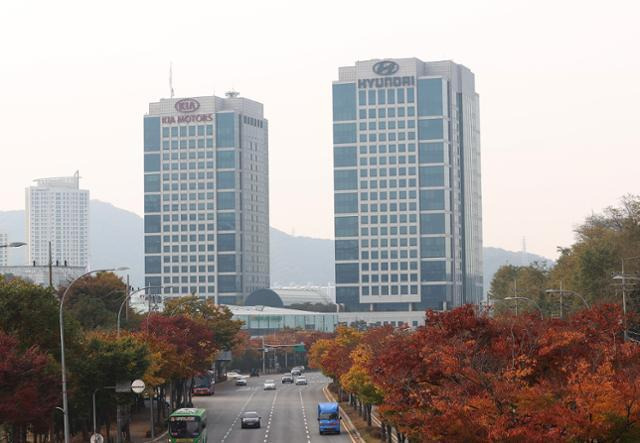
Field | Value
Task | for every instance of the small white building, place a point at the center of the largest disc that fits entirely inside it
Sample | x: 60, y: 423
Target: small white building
x: 57, y: 213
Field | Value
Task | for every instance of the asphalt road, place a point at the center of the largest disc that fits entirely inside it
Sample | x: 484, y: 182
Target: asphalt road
x: 289, y: 414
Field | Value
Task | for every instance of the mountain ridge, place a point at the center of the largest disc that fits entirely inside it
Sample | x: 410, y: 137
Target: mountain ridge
x: 116, y: 239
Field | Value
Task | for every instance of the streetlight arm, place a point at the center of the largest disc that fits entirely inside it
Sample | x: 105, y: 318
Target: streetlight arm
x: 529, y: 299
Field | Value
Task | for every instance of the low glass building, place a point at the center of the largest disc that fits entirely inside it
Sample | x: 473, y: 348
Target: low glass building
x: 262, y: 320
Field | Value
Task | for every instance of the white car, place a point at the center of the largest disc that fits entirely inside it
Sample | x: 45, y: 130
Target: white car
x: 301, y: 381
x: 269, y: 385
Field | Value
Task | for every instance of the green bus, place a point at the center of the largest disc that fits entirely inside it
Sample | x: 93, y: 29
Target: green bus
x: 188, y: 425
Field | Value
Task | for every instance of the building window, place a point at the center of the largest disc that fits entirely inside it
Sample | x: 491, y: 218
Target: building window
x: 347, y: 273
x: 225, y: 130
x: 430, y: 97
x: 345, y: 179
x: 344, y: 102
x: 344, y: 133
x: 430, y: 129
x: 346, y: 226
x: 345, y: 203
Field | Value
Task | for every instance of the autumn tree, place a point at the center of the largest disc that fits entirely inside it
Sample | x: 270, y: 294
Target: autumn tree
x: 218, y: 318
x: 468, y: 377
x: 29, y: 389
x: 192, y: 350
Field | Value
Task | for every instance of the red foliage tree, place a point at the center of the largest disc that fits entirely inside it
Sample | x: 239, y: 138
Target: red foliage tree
x: 468, y: 377
x: 29, y: 388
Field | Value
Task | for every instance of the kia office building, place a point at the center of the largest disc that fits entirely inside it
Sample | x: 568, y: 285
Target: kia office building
x: 408, y: 223
x: 206, y: 197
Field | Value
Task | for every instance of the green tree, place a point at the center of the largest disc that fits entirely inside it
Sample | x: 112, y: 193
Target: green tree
x: 602, y: 241
x: 521, y: 281
x: 107, y: 360
x: 94, y: 301
x: 30, y: 313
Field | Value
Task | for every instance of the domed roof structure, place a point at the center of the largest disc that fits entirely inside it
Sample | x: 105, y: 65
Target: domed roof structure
x: 264, y: 297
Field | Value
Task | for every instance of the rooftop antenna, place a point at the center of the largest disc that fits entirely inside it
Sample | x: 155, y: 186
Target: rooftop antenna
x: 171, y: 78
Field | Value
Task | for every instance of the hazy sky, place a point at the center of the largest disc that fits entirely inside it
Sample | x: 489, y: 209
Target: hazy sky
x: 559, y: 85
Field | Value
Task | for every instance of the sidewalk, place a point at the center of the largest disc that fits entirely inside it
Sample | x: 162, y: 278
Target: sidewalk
x: 140, y: 427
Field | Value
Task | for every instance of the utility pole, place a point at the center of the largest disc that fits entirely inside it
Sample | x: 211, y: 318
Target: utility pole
x: 126, y: 300
x: 50, y: 268
x: 515, y: 293
x: 264, y: 355
x: 624, y: 303
x: 561, y: 308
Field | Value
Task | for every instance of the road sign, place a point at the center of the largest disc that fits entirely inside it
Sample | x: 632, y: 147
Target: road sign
x: 299, y: 348
x: 123, y: 387
x: 97, y: 438
x: 137, y: 386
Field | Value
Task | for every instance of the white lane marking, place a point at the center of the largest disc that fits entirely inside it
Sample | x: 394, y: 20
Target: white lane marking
x: 273, y: 405
x: 304, y: 417
x: 238, y: 416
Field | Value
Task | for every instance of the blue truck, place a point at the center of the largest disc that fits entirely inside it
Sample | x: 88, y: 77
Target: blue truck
x: 329, y: 418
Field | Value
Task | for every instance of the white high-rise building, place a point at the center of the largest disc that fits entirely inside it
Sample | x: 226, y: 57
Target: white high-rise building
x: 57, y: 211
x: 4, y: 240
x: 206, y: 197
x: 408, y: 218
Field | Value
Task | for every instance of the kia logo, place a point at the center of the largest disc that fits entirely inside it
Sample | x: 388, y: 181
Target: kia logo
x: 386, y: 67
x: 187, y: 105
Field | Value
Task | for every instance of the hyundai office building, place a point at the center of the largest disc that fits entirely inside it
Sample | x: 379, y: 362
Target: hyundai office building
x: 407, y: 194
x: 206, y: 197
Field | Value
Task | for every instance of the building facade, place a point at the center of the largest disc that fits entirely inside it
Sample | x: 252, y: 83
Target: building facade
x: 57, y: 213
x: 43, y: 275
x: 407, y: 195
x: 4, y: 252
x: 206, y: 197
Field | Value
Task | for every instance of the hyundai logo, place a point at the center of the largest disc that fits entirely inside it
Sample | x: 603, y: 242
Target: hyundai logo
x: 386, y: 67
x: 187, y: 105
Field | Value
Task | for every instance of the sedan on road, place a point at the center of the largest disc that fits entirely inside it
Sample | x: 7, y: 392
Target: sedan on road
x: 269, y: 385
x: 301, y: 381
x: 250, y: 419
x: 287, y: 378
x: 241, y: 381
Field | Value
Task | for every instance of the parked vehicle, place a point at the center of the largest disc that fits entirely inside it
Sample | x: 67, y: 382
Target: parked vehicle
x: 329, y: 418
x: 254, y: 373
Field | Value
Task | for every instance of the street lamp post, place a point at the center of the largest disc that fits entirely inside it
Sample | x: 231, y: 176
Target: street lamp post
x: 529, y: 299
x: 128, y: 296
x: 65, y: 405
x: 624, y: 279
x: 563, y: 292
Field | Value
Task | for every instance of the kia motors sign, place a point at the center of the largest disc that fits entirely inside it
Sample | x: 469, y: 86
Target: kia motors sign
x: 187, y: 105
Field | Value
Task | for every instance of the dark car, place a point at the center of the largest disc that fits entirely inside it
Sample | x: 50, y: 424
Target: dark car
x: 254, y: 373
x: 250, y: 419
